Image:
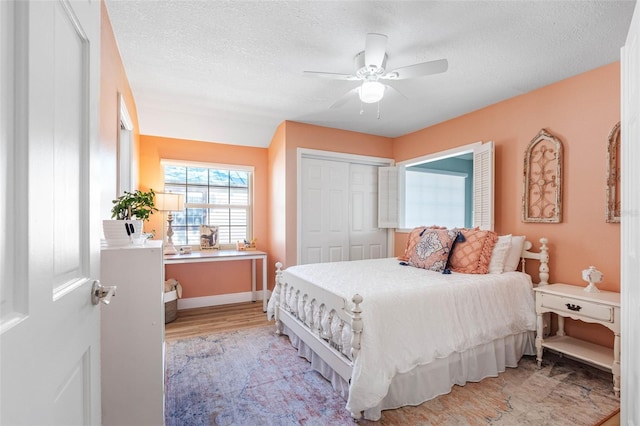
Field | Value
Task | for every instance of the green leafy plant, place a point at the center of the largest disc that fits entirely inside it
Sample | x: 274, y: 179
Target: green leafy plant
x: 134, y: 205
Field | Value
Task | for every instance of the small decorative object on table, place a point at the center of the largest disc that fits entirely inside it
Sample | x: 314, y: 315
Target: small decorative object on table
x: 185, y: 250
x: 592, y: 276
x: 246, y: 245
x: 209, y: 237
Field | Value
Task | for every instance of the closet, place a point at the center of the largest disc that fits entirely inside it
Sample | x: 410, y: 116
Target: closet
x: 338, y: 208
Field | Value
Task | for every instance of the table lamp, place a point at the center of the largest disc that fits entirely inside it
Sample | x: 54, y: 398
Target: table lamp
x: 169, y: 202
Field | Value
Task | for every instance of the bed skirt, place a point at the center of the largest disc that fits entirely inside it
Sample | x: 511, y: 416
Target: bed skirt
x: 428, y: 381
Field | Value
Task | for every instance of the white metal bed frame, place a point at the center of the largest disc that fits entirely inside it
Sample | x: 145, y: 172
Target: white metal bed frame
x: 322, y: 342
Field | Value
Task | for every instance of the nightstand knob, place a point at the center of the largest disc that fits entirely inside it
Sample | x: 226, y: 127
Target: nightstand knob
x: 573, y: 307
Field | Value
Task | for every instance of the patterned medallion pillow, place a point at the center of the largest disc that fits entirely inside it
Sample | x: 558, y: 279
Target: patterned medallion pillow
x: 412, y: 240
x: 431, y: 251
x: 474, y: 254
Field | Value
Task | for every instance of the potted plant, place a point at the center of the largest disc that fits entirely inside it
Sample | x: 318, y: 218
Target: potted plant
x: 128, y: 213
x: 134, y: 205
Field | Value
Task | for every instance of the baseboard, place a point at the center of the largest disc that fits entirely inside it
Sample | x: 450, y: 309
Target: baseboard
x: 221, y: 299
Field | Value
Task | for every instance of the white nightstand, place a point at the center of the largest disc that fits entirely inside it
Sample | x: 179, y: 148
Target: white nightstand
x: 573, y: 302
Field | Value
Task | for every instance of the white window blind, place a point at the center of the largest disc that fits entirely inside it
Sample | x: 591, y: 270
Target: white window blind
x: 483, y: 182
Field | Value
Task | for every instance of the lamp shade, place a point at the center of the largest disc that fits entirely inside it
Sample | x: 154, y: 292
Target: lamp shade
x: 371, y: 92
x: 169, y: 202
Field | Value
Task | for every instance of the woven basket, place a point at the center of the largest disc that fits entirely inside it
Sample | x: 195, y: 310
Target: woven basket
x: 170, y: 311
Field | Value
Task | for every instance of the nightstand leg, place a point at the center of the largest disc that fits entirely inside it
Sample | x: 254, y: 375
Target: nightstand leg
x: 560, y: 326
x: 615, y: 368
x: 540, y: 330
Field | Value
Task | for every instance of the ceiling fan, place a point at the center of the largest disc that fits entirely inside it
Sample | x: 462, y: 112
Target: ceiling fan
x: 370, y: 69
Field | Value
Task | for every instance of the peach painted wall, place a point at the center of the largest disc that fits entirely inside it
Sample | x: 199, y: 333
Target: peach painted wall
x: 581, y: 111
x: 211, y: 278
x: 277, y: 237
x: 113, y: 80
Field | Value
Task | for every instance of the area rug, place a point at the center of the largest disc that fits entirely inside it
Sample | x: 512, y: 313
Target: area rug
x: 253, y: 377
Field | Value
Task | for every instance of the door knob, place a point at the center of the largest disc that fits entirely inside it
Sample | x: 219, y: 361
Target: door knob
x: 100, y: 293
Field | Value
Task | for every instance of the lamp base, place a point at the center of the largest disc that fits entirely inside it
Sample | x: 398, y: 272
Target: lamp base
x: 168, y: 248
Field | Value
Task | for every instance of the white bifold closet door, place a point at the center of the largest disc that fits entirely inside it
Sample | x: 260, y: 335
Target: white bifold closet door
x: 339, y: 212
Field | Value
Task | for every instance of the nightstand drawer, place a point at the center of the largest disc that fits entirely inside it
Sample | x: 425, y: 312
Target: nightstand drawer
x: 577, y: 307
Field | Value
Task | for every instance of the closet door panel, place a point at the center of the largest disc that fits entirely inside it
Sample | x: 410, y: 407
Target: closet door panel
x: 324, y: 208
x: 366, y: 240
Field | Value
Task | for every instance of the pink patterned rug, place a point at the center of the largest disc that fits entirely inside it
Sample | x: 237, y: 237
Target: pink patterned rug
x: 253, y: 377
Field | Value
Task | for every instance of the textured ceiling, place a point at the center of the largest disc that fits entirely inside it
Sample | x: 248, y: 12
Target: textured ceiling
x: 232, y: 71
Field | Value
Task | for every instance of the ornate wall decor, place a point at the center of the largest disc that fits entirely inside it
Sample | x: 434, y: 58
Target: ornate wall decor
x: 613, y: 175
x: 542, y: 195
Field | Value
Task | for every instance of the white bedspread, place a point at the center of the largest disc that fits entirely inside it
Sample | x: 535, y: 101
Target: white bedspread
x: 412, y: 316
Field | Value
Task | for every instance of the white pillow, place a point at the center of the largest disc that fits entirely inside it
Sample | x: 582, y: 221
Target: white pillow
x: 499, y: 254
x: 514, y: 254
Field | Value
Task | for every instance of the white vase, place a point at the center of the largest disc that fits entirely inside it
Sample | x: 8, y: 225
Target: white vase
x: 121, y: 232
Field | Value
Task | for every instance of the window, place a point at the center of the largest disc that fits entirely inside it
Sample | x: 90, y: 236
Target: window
x: 434, y: 197
x: 405, y: 198
x: 215, y: 194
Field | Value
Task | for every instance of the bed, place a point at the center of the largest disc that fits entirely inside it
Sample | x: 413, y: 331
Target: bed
x: 387, y: 335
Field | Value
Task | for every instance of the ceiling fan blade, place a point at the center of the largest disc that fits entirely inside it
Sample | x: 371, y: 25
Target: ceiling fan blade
x: 396, y: 91
x: 330, y: 75
x: 375, y: 49
x: 418, y: 70
x: 344, y: 98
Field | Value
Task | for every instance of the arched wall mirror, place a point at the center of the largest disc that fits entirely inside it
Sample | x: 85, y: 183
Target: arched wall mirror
x: 613, y: 176
x: 542, y: 192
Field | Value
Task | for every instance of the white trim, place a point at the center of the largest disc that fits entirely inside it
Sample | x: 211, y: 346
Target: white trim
x: 126, y: 179
x: 439, y: 172
x: 340, y: 156
x: 221, y: 299
x: 441, y: 155
x: 630, y: 224
x: 124, y: 119
x: 170, y: 162
x: 333, y: 156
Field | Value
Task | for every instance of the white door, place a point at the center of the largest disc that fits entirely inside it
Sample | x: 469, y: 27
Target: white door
x: 324, y: 208
x: 339, y: 211
x: 366, y: 240
x: 49, y: 212
x: 630, y: 226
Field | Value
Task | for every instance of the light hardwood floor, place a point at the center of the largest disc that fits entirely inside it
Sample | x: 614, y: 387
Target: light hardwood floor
x: 212, y: 319
x: 611, y: 420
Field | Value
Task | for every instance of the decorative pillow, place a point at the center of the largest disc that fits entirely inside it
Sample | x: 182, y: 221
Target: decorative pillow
x: 499, y: 254
x: 412, y: 240
x: 432, y: 249
x: 514, y: 254
x: 474, y: 254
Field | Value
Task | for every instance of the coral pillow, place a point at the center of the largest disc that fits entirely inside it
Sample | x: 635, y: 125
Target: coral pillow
x: 432, y: 250
x: 412, y: 240
x: 474, y: 254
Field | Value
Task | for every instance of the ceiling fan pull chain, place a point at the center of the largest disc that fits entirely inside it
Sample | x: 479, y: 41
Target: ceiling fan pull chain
x: 361, y: 107
x: 378, y: 110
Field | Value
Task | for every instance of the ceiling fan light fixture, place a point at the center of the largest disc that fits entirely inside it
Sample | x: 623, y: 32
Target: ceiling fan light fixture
x: 371, y: 92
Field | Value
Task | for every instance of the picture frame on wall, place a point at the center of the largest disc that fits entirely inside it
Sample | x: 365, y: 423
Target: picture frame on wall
x: 209, y: 237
